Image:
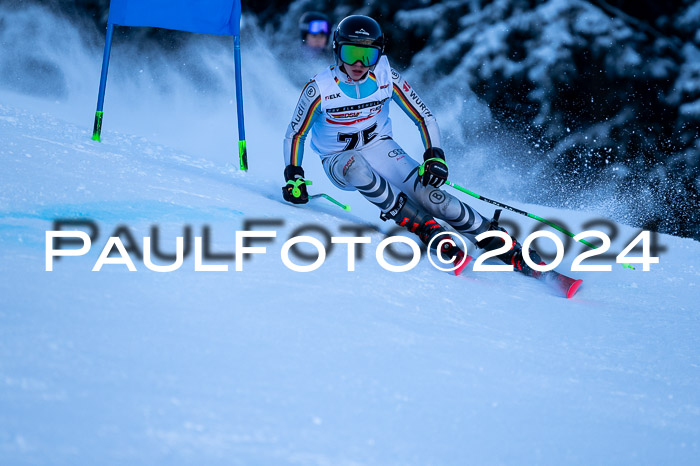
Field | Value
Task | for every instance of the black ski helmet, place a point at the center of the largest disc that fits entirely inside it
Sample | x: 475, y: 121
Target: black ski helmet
x: 358, y: 30
x: 312, y: 18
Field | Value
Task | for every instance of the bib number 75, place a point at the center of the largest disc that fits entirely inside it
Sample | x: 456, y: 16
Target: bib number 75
x: 352, y: 140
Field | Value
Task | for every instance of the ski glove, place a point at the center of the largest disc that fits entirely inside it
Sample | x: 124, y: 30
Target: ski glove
x: 295, y: 189
x: 433, y: 171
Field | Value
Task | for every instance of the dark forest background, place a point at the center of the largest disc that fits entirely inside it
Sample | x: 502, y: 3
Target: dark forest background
x: 607, y: 92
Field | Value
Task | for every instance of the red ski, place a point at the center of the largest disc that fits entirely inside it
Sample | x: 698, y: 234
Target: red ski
x: 460, y: 267
x: 567, y: 285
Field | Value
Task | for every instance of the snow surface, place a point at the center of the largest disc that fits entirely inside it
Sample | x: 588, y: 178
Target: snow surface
x: 271, y: 366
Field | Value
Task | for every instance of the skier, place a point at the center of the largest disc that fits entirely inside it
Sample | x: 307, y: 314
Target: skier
x: 346, y: 109
x: 314, y: 28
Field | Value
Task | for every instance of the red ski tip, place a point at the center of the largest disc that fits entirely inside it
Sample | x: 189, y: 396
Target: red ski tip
x: 573, y: 289
x: 567, y: 285
x: 463, y: 265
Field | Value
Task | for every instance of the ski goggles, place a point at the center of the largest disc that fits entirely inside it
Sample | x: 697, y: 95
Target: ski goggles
x: 368, y: 56
x: 318, y: 26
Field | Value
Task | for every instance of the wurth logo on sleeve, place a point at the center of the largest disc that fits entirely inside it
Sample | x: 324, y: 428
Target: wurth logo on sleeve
x: 406, y: 87
x: 419, y: 104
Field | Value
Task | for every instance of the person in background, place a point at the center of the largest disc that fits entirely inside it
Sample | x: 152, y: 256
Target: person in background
x: 314, y: 28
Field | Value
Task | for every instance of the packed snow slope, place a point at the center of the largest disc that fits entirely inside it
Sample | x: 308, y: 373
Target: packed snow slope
x: 271, y: 366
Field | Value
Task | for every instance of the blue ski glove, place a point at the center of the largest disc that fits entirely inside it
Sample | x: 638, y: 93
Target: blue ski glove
x: 434, y: 170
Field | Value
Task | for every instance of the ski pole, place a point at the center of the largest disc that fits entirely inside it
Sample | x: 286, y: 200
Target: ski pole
x: 326, y: 196
x: 527, y: 214
x: 296, y: 192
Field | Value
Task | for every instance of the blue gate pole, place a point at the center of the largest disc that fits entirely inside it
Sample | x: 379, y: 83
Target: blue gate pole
x: 242, y: 150
x: 97, y: 128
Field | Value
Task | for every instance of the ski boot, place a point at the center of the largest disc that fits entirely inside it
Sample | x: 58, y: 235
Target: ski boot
x: 406, y: 214
x: 514, y: 256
